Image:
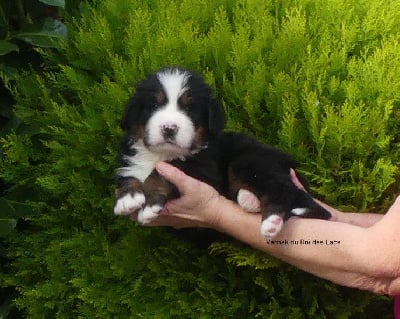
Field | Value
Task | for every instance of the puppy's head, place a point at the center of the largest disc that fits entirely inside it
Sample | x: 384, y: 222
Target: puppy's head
x: 173, y: 112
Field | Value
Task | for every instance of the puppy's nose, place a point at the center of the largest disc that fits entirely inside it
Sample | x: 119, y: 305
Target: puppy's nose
x: 169, y: 130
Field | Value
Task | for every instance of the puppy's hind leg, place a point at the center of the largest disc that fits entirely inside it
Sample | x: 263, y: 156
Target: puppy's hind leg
x: 273, y: 218
x: 248, y: 201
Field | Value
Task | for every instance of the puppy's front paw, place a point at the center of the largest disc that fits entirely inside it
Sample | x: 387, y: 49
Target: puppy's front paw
x: 148, y: 214
x: 248, y: 201
x: 129, y: 203
x: 271, y: 226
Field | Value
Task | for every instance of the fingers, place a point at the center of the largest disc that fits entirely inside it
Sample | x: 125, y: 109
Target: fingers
x: 295, y: 180
x: 165, y: 219
x: 183, y: 182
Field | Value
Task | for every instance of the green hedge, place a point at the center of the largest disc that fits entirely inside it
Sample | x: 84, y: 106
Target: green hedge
x: 318, y: 78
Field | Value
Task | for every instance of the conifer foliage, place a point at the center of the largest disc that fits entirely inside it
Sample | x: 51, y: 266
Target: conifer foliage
x: 319, y: 79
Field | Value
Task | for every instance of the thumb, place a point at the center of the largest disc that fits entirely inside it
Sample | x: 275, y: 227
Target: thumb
x: 175, y: 176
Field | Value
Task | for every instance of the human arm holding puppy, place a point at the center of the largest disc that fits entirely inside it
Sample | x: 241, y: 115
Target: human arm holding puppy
x: 364, y: 252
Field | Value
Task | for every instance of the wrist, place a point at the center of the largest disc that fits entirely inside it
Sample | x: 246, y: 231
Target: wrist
x: 214, y: 216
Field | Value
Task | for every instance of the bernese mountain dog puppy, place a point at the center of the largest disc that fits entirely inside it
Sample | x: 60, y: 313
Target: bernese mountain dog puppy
x: 173, y: 117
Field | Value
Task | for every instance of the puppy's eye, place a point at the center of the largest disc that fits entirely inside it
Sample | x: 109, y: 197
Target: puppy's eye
x: 160, y: 99
x: 185, y: 99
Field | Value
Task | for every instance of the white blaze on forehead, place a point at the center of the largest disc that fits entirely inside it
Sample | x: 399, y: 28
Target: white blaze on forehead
x: 174, y: 83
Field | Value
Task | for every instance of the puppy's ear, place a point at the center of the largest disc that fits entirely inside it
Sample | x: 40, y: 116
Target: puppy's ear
x: 216, y: 118
x: 132, y: 113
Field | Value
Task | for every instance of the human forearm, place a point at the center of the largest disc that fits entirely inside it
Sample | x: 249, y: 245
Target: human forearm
x: 319, y: 247
x: 358, y: 219
x: 305, y: 240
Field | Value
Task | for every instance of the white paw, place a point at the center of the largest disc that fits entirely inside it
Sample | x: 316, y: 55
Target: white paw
x: 271, y: 226
x: 148, y: 214
x: 248, y: 201
x: 128, y: 204
x: 299, y: 211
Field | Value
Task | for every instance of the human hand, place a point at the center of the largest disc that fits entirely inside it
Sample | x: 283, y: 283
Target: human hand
x: 198, y: 206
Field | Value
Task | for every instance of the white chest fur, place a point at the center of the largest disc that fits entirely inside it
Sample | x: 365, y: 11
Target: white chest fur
x: 142, y: 163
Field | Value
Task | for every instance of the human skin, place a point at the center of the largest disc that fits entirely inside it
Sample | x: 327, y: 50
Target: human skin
x: 356, y: 250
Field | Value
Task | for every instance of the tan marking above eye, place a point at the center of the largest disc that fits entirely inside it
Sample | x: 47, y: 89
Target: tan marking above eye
x: 160, y: 98
x: 185, y: 99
